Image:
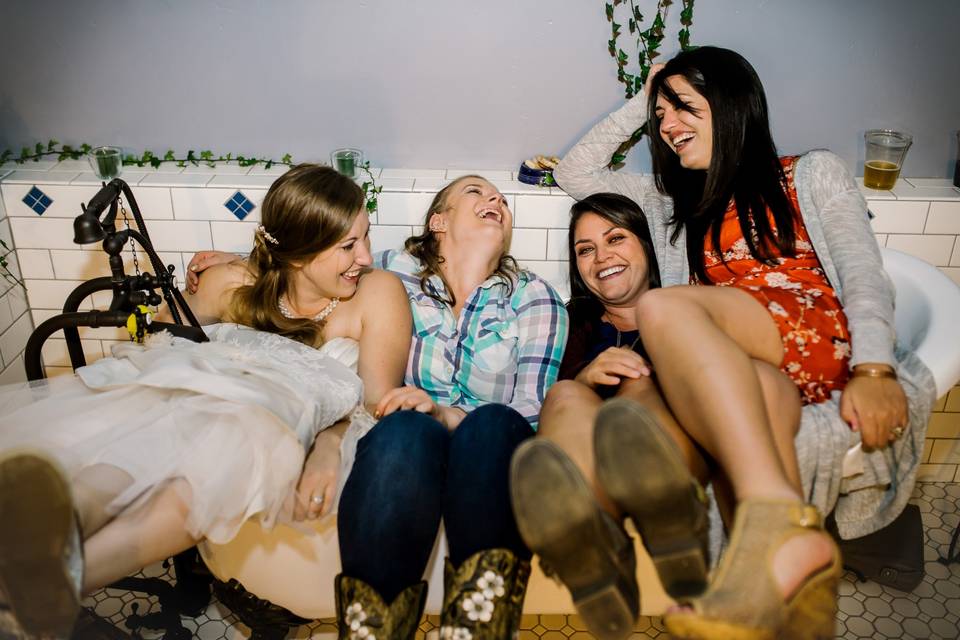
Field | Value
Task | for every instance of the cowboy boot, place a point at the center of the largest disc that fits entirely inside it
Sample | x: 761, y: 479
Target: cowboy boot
x: 363, y: 615
x: 576, y: 540
x: 483, y: 597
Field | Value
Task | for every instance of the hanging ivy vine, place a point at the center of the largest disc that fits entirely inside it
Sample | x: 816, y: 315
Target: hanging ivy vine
x: 646, y: 43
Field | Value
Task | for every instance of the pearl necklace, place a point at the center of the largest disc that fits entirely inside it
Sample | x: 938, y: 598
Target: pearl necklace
x: 320, y: 317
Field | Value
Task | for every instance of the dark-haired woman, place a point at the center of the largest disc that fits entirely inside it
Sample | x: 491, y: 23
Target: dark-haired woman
x: 798, y: 298
x: 141, y: 455
x: 565, y: 510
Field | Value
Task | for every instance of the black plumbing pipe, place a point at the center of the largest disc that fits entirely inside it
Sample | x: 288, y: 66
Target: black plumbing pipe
x: 32, y: 352
x: 72, y: 304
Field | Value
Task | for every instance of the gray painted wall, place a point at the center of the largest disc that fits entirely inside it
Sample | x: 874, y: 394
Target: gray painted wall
x: 450, y: 83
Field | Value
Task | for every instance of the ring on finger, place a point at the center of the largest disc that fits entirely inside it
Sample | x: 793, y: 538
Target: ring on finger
x: 317, y: 500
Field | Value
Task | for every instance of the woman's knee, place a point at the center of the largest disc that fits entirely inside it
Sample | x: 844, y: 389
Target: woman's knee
x: 659, y: 309
x: 566, y: 395
x: 491, y: 427
x: 404, y: 432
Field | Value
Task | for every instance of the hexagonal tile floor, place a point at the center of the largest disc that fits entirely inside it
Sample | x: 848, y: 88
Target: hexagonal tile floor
x: 867, y: 610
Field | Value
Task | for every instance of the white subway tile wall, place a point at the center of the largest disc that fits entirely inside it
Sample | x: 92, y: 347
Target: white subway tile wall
x: 186, y: 212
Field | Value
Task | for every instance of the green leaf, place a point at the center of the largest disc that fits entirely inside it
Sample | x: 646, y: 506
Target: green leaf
x: 130, y: 159
x: 168, y: 156
x: 632, y: 25
x: 609, y: 8
x: 155, y: 162
x: 286, y: 159
x: 39, y: 148
x: 617, y: 158
x: 52, y: 145
x: 206, y: 155
x: 24, y: 153
x: 85, y: 148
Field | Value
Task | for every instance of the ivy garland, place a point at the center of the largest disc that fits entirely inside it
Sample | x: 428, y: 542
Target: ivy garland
x: 371, y: 190
x: 647, y: 43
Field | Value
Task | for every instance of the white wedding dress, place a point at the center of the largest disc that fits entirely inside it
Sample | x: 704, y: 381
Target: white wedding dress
x: 233, y: 416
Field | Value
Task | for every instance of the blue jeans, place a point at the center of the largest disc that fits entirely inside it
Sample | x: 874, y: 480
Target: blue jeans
x: 409, y: 473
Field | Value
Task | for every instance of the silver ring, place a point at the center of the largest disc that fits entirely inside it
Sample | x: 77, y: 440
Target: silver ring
x: 317, y: 500
x: 897, y: 432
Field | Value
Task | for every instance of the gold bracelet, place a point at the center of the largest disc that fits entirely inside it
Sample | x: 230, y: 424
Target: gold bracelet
x: 873, y: 372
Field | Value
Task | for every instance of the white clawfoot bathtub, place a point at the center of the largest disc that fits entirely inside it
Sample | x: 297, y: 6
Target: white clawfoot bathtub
x: 296, y: 570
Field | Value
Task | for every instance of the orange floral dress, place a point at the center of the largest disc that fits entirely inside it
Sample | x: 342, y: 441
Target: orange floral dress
x: 796, y: 293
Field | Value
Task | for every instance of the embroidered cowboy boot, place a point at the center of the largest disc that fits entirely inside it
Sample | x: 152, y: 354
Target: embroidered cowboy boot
x: 483, y: 597
x: 363, y: 615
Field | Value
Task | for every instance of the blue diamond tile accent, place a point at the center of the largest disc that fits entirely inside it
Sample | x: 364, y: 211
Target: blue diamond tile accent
x: 240, y: 205
x: 37, y: 200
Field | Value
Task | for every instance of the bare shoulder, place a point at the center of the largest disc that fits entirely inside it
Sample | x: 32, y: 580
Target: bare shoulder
x: 216, y: 288
x: 379, y: 284
x: 222, y: 277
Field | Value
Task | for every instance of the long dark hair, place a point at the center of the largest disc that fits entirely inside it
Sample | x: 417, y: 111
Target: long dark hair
x: 426, y: 249
x: 744, y: 167
x: 621, y: 212
x: 307, y: 210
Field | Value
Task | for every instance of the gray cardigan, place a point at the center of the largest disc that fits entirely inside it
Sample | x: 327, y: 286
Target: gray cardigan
x: 835, y: 215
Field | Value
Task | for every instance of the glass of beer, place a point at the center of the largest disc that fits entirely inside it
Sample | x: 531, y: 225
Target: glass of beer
x: 885, y: 151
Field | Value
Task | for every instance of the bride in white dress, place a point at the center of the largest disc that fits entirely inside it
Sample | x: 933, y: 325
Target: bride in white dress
x: 141, y: 455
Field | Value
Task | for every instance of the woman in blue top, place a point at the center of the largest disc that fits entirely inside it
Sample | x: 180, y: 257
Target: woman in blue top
x: 488, y: 339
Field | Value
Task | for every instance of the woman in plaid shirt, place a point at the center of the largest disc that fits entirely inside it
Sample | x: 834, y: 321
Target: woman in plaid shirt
x: 488, y: 338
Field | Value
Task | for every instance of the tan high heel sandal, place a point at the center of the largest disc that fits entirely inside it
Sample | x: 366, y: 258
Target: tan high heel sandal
x: 744, y: 602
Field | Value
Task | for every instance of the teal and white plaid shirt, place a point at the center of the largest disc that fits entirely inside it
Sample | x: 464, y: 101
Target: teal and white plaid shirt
x: 504, y: 349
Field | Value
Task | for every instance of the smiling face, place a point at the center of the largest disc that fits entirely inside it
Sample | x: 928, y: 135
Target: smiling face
x: 610, y: 259
x: 688, y: 131
x: 335, y: 272
x: 474, y: 211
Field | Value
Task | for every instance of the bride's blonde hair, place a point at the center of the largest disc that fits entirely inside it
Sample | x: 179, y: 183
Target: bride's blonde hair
x: 307, y: 210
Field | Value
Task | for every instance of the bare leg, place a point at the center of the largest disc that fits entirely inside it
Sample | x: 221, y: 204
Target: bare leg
x: 724, y: 331
x: 138, y: 537
x: 93, y: 489
x: 566, y: 418
x: 708, y: 378
x: 782, y: 400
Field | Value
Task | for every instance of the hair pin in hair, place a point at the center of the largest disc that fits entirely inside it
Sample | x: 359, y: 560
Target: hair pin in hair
x: 266, y: 235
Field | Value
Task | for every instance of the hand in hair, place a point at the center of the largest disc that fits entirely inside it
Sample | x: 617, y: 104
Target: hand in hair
x: 203, y: 260
x: 654, y: 70
x: 612, y: 366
